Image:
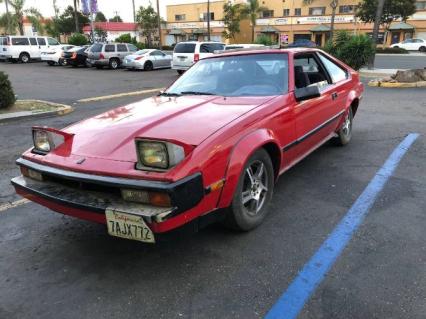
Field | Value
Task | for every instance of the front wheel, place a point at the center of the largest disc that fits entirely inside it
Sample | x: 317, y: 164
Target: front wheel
x: 180, y: 72
x: 148, y: 66
x: 253, y: 193
x: 51, y: 63
x: 24, y: 57
x: 344, y: 134
x: 114, y: 64
x: 422, y: 49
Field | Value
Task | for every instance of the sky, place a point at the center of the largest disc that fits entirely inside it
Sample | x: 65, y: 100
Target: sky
x: 108, y: 7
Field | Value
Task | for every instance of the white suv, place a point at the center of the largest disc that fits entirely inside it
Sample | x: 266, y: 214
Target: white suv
x: 411, y: 44
x: 186, y: 54
x: 23, y: 48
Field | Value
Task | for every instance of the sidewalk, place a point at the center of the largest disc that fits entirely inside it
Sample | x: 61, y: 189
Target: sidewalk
x: 378, y: 72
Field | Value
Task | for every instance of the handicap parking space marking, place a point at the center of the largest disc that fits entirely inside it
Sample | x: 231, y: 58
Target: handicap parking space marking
x: 19, y: 202
x: 313, y: 272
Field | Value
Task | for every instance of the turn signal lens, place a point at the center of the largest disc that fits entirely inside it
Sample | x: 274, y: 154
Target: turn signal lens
x: 160, y: 199
x: 152, y: 198
x: 27, y: 172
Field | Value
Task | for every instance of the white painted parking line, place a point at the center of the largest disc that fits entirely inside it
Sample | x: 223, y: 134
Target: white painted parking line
x: 17, y: 203
x: 114, y: 96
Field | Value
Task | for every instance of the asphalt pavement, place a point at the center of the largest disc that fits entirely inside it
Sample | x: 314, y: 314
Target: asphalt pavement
x: 54, y: 266
x: 400, y: 61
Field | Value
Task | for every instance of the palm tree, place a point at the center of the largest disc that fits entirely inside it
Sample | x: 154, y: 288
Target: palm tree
x: 251, y: 10
x: 17, y: 16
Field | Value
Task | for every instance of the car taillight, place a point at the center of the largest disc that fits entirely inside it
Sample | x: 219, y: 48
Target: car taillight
x: 74, y: 55
x: 101, y: 56
x: 139, y: 57
x: 196, y: 57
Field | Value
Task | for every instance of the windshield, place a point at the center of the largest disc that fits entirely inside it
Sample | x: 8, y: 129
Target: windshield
x: 241, y: 75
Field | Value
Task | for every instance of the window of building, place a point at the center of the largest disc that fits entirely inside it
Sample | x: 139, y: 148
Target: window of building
x: 347, y: 9
x: 20, y: 41
x: 317, y: 11
x: 298, y: 11
x: 380, y: 37
x: 205, y: 16
x: 33, y: 41
x: 267, y: 14
x: 41, y: 41
x: 180, y: 17
x: 421, y: 5
x: 286, y: 12
x: 336, y: 72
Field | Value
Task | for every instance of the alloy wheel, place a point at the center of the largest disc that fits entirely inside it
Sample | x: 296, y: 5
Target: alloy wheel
x: 254, y: 187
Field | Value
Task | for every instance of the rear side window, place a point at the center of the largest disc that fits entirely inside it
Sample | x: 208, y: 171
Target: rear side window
x: 41, y: 41
x: 33, y: 41
x: 52, y: 41
x: 121, y: 48
x: 110, y: 48
x: 132, y: 48
x: 185, y: 48
x: 336, y: 72
x: 20, y: 41
x: 4, y: 41
x: 211, y: 47
x: 96, y: 47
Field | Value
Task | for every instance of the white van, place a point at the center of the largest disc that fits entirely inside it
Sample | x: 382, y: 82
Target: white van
x: 186, y: 54
x: 244, y: 46
x: 24, y: 48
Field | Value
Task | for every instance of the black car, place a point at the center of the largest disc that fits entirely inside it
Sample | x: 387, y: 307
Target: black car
x: 76, y: 56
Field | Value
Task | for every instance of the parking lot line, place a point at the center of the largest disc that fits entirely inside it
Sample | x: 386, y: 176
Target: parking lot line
x: 114, y: 96
x: 19, y: 202
x: 313, y: 272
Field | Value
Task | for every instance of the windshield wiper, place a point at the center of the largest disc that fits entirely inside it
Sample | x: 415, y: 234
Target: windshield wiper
x: 168, y: 94
x: 196, y: 93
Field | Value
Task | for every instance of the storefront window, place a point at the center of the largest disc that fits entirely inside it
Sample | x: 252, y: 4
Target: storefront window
x: 421, y: 5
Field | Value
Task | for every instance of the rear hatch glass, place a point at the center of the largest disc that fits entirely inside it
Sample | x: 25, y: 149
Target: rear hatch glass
x: 185, y: 48
x: 183, y: 54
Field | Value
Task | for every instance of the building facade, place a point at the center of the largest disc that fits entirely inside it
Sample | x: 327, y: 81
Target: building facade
x: 288, y: 20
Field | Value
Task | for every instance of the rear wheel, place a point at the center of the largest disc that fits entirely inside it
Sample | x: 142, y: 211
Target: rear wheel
x: 148, y: 66
x: 422, y: 49
x: 180, y: 72
x: 114, y: 64
x: 51, y: 63
x: 344, y: 134
x: 24, y: 57
x: 253, y: 193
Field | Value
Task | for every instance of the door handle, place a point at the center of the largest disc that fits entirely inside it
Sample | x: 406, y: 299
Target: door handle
x: 334, y: 95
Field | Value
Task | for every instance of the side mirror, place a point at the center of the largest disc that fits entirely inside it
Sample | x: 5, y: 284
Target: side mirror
x: 307, y: 93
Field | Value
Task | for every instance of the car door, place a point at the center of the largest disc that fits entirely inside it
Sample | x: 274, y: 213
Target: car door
x: 42, y: 44
x: 316, y: 117
x: 33, y: 49
x: 155, y: 59
x: 122, y: 51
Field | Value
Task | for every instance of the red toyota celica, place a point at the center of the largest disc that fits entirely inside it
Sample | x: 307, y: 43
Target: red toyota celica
x: 208, y: 148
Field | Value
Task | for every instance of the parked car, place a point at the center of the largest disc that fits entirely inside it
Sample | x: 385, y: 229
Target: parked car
x: 147, y: 60
x: 185, y: 54
x: 209, y: 148
x: 75, y: 56
x: 112, y: 54
x: 243, y: 46
x: 55, y: 55
x: 25, y: 49
x: 302, y: 43
x: 411, y: 45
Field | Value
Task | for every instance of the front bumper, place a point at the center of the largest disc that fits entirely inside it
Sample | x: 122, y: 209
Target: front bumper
x: 68, y: 192
x: 133, y: 64
x: 52, y: 58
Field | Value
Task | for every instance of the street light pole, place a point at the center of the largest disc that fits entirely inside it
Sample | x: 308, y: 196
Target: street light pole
x: 134, y: 11
x: 208, y: 20
x: 159, y: 24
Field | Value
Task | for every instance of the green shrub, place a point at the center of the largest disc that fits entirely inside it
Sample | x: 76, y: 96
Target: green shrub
x: 124, y: 38
x: 391, y: 50
x: 77, y: 39
x: 354, y: 50
x: 264, y: 39
x: 7, y: 96
x: 140, y: 45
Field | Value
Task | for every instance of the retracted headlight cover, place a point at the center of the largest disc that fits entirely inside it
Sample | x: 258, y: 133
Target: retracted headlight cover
x: 159, y: 155
x: 46, y: 139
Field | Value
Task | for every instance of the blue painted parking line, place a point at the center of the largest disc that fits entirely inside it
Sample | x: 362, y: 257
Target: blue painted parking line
x: 313, y: 272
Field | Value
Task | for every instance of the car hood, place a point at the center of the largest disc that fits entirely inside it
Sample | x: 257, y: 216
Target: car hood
x: 187, y: 119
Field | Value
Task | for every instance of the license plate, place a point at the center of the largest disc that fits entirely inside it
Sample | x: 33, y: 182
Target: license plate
x: 128, y: 226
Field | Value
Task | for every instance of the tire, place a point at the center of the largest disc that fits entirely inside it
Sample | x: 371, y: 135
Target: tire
x: 253, y: 194
x: 344, y: 134
x: 13, y: 60
x: 180, y: 72
x: 396, y: 47
x: 24, y: 57
x: 51, y: 63
x: 62, y: 62
x: 114, y: 64
x: 148, y: 66
x: 422, y: 49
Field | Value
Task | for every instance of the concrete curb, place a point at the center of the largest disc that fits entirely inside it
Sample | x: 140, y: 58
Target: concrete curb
x: 419, y: 84
x: 62, y: 110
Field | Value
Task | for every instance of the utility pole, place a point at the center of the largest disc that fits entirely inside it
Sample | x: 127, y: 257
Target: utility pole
x: 159, y: 24
x: 7, y: 17
x: 134, y: 11
x: 376, y: 26
x: 208, y: 20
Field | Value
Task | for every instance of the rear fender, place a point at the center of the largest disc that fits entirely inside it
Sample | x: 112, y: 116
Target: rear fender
x: 241, y: 152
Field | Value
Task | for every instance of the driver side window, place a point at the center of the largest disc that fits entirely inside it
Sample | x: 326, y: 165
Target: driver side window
x: 308, y: 72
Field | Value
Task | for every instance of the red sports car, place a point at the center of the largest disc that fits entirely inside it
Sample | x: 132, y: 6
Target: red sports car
x: 209, y: 148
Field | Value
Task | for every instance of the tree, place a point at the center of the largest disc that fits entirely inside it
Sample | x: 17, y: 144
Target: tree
x: 66, y: 21
x: 100, y: 17
x: 384, y: 12
x: 16, y: 17
x: 231, y: 19
x: 251, y: 11
x: 146, y: 18
x: 116, y: 18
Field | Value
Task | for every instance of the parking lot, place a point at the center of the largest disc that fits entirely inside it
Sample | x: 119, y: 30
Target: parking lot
x: 54, y: 266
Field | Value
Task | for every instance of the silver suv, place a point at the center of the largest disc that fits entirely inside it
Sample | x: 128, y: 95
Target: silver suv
x: 112, y: 54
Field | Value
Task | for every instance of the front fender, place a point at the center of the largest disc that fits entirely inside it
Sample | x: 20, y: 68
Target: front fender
x: 239, y: 155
